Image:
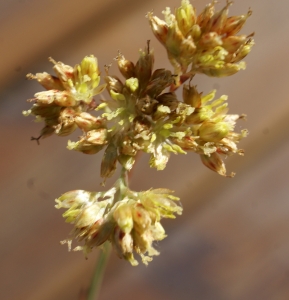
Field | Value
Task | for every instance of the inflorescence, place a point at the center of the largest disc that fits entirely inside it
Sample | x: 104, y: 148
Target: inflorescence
x: 144, y: 114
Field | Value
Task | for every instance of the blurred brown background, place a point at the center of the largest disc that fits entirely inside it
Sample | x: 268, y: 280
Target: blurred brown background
x: 231, y: 243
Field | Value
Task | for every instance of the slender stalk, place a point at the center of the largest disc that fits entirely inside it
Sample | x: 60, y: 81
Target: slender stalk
x: 95, y: 285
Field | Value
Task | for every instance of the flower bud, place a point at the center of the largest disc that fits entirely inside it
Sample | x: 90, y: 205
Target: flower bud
x: 132, y: 84
x: 161, y: 201
x: 126, y: 67
x: 73, y: 198
x: 159, y: 27
x: 87, y: 122
x: 179, y: 47
x: 147, y: 105
x: 234, y: 24
x: 127, y: 148
x: 204, y: 18
x: 195, y: 32
x: 113, y: 84
x: 191, y: 96
x: 61, y: 98
x: 46, y: 131
x: 214, y: 132
x: 87, y: 216
x: 45, y: 112
x: 214, y: 162
x: 87, y: 71
x: 123, y: 243
x: 243, y: 51
x: 64, y: 72
x: 162, y: 111
x: 97, y: 136
x: 144, y: 66
x: 159, y: 159
x: 199, y: 115
x: 141, y: 217
x: 223, y: 70
x: 170, y: 100
x: 99, y: 233
x: 186, y: 17
x: 117, y: 96
x: 233, y: 43
x: 127, y: 161
x: 66, y: 122
x: 210, y: 40
x: 123, y: 217
x: 48, y: 81
x: 160, y: 80
x: 85, y: 82
x: 109, y: 160
x: 218, y: 20
x: 84, y: 147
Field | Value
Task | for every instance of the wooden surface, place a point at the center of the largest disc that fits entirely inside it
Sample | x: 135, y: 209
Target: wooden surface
x: 231, y: 243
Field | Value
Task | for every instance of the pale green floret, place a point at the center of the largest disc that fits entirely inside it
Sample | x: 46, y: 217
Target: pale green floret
x: 71, y: 145
x: 117, y: 96
x: 186, y: 17
x: 168, y: 126
x: 113, y: 114
x: 174, y: 148
x: 26, y: 113
x: 126, y: 161
x: 123, y: 216
x: 101, y: 106
x: 214, y: 132
x: 132, y: 84
x: 164, y: 109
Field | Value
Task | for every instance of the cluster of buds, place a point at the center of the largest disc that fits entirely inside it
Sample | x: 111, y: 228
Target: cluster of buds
x: 157, y: 123
x: 213, y: 129
x: 143, y: 114
x: 207, y: 42
x: 127, y: 219
x: 147, y: 117
x: 67, y: 97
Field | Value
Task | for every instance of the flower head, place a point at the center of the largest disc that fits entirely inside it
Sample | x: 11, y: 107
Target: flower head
x: 206, y: 42
x: 68, y: 96
x: 212, y: 129
x: 131, y: 223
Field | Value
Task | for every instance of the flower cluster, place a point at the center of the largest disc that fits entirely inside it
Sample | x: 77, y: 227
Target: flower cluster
x: 142, y: 113
x: 208, y: 42
x: 140, y: 116
x: 69, y: 95
x: 131, y: 224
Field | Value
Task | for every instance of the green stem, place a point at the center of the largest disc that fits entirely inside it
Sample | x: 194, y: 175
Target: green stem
x: 95, y: 285
x: 124, y: 177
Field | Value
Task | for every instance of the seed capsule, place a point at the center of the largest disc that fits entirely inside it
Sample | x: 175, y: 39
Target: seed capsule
x: 215, y: 163
x: 109, y: 160
x: 126, y: 67
x: 144, y: 66
x: 191, y: 96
